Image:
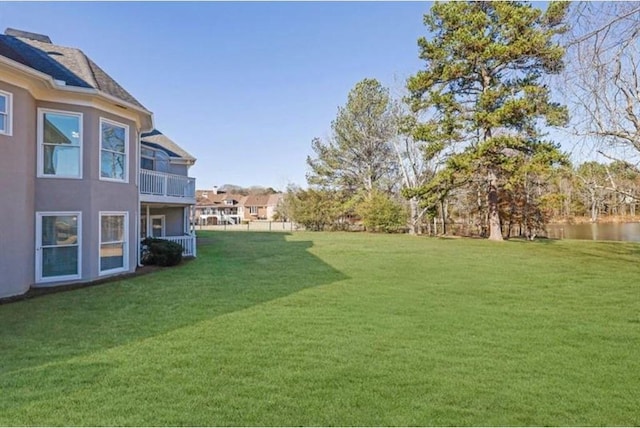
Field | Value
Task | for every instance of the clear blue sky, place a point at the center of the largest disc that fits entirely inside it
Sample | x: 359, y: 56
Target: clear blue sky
x: 243, y: 86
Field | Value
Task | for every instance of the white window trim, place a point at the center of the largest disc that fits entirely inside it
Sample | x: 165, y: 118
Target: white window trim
x: 253, y: 209
x: 40, y: 136
x: 125, y: 247
x: 39, y: 278
x: 126, y: 151
x: 9, y: 104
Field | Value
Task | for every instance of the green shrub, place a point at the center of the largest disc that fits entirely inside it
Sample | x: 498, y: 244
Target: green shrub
x: 161, y: 252
x: 380, y: 213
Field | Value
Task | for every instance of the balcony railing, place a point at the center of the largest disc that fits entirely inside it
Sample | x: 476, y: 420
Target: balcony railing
x: 188, y: 243
x: 164, y: 184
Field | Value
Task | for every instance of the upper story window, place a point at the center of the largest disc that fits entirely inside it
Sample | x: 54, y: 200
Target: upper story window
x: 59, y: 144
x: 6, y: 101
x: 154, y: 160
x: 162, y: 161
x: 146, y: 158
x: 114, y: 144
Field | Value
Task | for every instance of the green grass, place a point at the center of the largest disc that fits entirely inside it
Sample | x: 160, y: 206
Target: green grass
x: 337, y: 329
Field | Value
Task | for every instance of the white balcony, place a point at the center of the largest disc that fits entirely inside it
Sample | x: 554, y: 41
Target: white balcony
x: 169, y: 188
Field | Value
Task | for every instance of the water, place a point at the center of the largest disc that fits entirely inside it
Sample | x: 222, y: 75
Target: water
x: 596, y: 232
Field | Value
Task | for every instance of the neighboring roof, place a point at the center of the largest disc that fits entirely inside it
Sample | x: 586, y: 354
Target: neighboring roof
x: 262, y: 200
x: 69, y: 65
x: 256, y: 200
x: 216, y: 200
x: 157, y: 139
x: 275, y: 199
x: 212, y: 199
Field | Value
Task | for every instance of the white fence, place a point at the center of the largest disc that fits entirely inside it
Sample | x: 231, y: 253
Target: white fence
x: 163, y: 184
x: 255, y: 226
x: 188, y: 243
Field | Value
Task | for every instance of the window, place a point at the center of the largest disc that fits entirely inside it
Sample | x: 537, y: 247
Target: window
x: 6, y: 101
x: 114, y: 142
x: 154, y: 160
x: 253, y: 210
x: 157, y: 226
x: 146, y: 159
x: 113, y: 242
x: 161, y: 161
x: 59, y: 144
x: 58, y: 246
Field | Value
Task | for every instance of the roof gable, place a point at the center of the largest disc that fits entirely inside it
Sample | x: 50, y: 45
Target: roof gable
x: 65, y: 64
x: 157, y: 139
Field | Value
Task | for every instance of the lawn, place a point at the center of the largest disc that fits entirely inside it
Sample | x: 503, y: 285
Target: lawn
x: 337, y: 329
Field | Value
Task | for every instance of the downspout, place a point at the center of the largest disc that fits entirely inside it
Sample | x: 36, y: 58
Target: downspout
x: 138, y: 148
x: 139, y: 210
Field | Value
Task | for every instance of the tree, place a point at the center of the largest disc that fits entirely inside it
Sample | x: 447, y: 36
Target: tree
x: 483, y: 75
x: 602, y: 81
x: 592, y: 178
x: 602, y: 76
x: 380, y: 213
x: 359, y: 155
x: 419, y: 155
x: 317, y: 209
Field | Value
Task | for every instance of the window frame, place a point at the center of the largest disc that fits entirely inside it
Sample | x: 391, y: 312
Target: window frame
x: 39, y: 247
x: 8, y: 96
x: 152, y: 158
x: 125, y: 153
x: 125, y: 243
x: 41, y: 143
x: 253, y: 209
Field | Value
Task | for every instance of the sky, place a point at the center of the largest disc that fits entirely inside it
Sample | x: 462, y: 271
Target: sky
x: 242, y: 86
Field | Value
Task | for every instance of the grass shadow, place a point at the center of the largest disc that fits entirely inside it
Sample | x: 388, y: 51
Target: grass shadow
x: 233, y: 271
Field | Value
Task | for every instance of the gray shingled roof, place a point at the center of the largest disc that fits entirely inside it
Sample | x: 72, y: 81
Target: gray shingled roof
x: 156, y: 138
x: 69, y: 65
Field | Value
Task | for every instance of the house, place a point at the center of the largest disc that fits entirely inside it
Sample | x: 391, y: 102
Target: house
x: 215, y: 207
x: 261, y: 207
x: 218, y: 207
x: 84, y: 173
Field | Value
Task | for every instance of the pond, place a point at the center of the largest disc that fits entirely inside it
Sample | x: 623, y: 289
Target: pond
x: 596, y: 231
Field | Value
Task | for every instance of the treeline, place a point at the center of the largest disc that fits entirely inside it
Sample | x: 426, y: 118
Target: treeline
x: 465, y: 149
x: 245, y: 191
x: 589, y: 192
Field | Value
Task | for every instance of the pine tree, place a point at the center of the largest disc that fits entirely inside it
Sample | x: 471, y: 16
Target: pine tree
x: 483, y: 76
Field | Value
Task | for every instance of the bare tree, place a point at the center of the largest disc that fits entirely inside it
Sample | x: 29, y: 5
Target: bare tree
x: 602, y: 79
x: 416, y: 161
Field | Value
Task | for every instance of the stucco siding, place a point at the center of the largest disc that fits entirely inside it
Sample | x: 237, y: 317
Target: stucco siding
x: 17, y: 179
x: 91, y: 195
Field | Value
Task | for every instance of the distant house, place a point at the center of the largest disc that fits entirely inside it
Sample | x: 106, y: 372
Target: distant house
x: 83, y: 171
x: 261, y: 207
x: 214, y: 207
x: 218, y: 207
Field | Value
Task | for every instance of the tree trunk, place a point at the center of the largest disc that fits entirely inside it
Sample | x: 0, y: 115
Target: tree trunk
x: 443, y: 215
x: 414, y: 221
x: 495, y: 234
